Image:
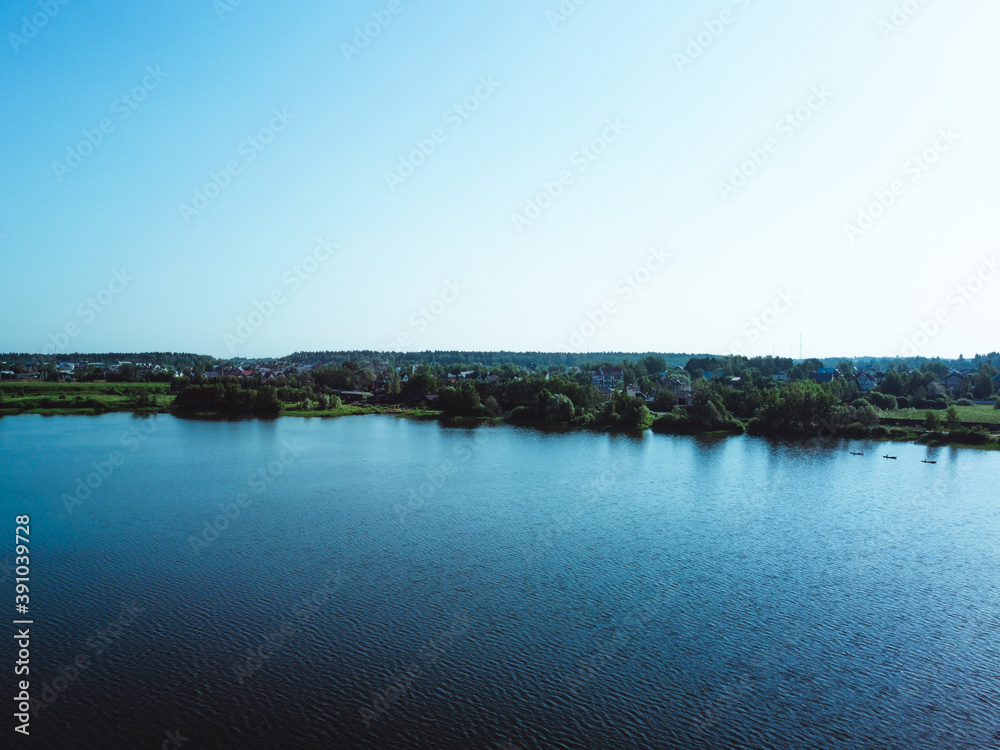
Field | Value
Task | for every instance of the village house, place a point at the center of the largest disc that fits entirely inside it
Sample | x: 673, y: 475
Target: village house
x: 636, y: 393
x: 680, y: 387
x: 607, y: 377
x: 825, y: 374
x: 953, y: 382
x: 866, y: 381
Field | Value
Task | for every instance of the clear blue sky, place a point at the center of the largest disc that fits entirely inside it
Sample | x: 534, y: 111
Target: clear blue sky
x: 643, y: 120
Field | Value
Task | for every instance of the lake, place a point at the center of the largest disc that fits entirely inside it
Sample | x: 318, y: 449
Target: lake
x: 377, y: 582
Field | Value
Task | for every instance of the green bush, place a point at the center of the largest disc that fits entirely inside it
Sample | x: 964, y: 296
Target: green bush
x: 964, y: 402
x: 559, y: 408
x: 967, y: 436
x: 882, y: 400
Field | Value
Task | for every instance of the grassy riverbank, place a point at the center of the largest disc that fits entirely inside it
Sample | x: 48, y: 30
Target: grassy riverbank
x: 979, y: 413
x: 39, y: 397
x: 55, y: 398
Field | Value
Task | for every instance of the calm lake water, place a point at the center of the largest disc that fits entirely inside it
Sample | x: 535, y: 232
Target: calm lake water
x: 386, y: 583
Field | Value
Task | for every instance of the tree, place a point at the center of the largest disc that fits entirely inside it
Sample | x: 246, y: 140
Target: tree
x: 982, y: 382
x: 633, y: 414
x: 665, y: 400
x: 559, y: 408
x: 420, y: 382
x: 492, y: 406
x: 461, y: 402
x: 267, y: 400
x: 951, y: 418
x: 811, y: 365
x: 654, y: 364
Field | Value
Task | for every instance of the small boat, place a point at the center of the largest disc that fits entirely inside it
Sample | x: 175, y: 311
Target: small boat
x: 888, y: 456
x: 925, y: 461
x: 856, y: 454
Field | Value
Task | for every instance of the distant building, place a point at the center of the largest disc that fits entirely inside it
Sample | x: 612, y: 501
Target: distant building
x: 866, y: 381
x: 636, y: 393
x: 608, y: 377
x: 681, y: 389
x: 953, y: 382
x: 825, y: 374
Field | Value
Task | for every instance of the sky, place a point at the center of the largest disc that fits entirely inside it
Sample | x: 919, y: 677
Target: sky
x: 243, y: 178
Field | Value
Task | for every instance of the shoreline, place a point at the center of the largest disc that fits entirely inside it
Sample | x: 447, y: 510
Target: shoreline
x: 909, y: 437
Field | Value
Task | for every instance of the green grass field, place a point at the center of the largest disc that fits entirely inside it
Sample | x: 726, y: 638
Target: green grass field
x: 978, y: 413
x: 348, y: 410
x: 40, y: 397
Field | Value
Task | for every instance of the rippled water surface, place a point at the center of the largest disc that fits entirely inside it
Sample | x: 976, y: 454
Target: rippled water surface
x: 375, y: 582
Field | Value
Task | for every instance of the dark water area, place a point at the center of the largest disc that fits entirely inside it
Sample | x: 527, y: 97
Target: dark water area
x: 374, y: 582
